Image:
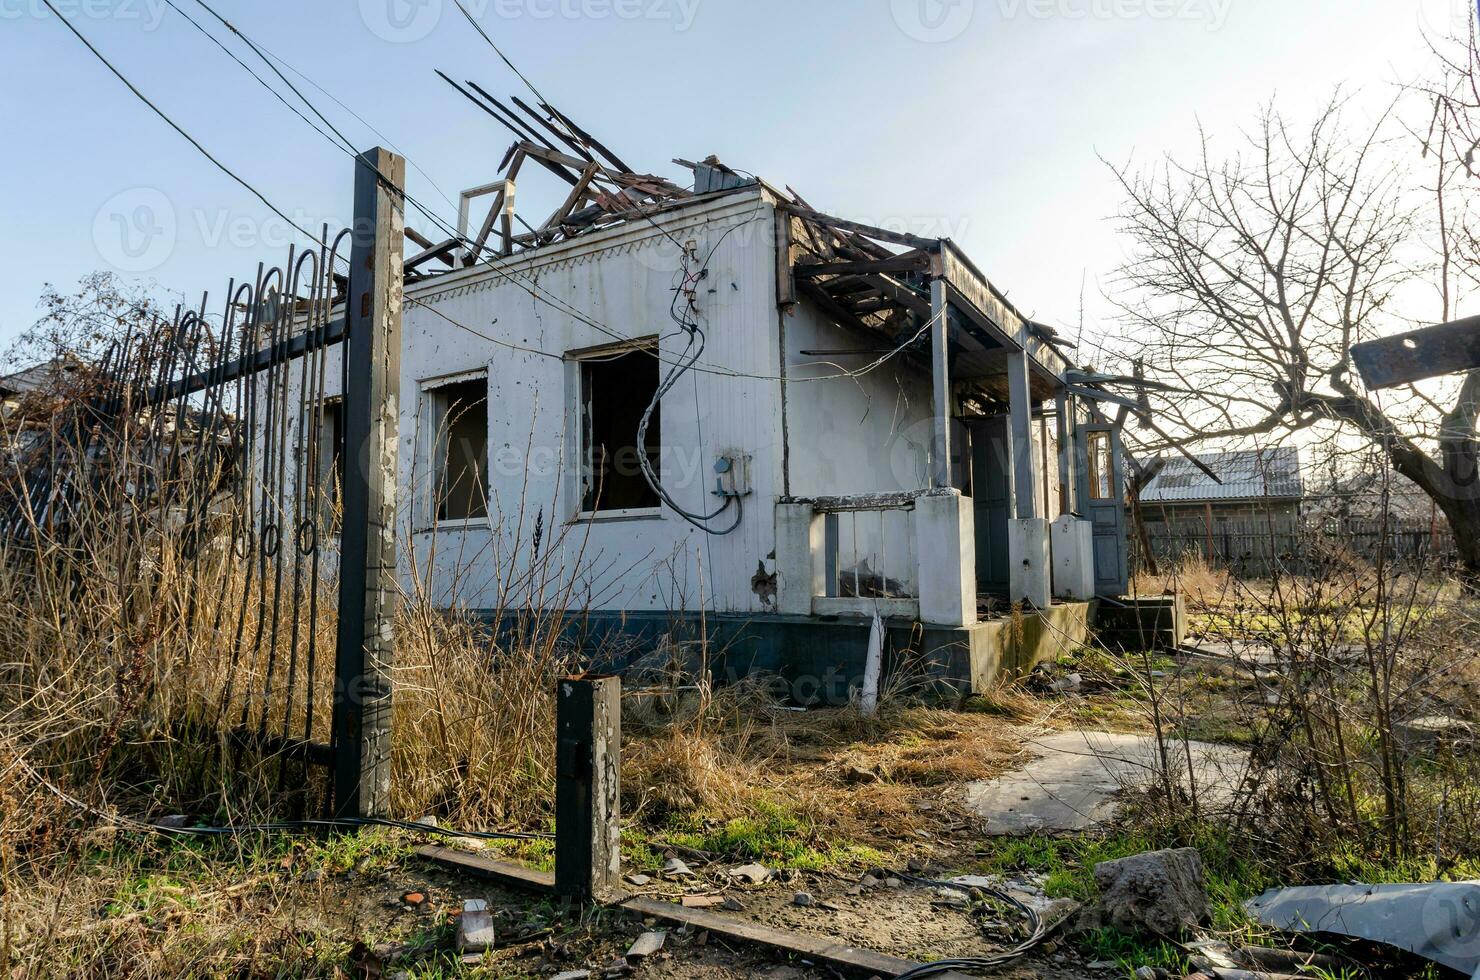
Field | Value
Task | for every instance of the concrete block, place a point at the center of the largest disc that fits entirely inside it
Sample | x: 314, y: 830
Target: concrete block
x: 1028, y: 568
x: 798, y: 545
x: 945, y: 547
x: 1072, y: 546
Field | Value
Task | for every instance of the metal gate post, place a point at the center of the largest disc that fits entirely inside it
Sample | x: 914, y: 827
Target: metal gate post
x: 367, y: 574
x: 588, y: 787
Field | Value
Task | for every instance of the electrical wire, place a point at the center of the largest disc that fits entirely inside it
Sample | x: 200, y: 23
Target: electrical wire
x: 686, y: 362
x: 1038, y: 930
x: 558, y: 304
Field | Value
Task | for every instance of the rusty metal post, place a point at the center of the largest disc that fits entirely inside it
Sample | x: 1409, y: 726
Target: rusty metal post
x: 367, y: 575
x: 588, y: 787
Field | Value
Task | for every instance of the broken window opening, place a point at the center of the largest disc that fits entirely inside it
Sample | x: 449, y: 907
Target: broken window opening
x: 615, y: 392
x: 459, y: 424
x: 1099, y: 466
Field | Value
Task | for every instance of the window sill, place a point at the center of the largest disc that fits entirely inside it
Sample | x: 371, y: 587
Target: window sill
x: 470, y: 524
x: 607, y: 516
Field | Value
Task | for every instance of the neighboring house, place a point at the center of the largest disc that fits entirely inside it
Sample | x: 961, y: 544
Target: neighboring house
x: 1254, y: 484
x: 804, y: 478
x: 45, y: 377
x: 21, y: 431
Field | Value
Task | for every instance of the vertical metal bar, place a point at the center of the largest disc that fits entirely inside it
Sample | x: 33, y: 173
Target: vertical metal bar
x: 1020, y: 409
x: 367, y: 582
x: 940, y: 371
x: 857, y: 561
x: 830, y: 547
x: 883, y: 554
x: 588, y: 787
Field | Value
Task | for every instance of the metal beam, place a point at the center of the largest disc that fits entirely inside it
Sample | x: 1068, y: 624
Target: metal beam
x: 1448, y: 348
x: 271, y: 356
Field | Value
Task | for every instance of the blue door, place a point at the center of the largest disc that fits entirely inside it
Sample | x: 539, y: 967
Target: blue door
x: 1102, y: 500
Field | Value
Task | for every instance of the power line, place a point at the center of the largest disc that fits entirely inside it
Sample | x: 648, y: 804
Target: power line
x: 534, y: 291
x: 175, y: 126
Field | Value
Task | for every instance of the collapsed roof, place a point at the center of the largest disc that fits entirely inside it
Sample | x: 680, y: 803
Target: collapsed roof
x: 872, y: 280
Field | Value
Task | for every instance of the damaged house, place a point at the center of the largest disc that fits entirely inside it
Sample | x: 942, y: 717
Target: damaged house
x: 661, y: 404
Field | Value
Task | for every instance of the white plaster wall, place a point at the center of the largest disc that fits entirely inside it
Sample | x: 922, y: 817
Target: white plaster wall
x: 865, y: 434
x: 624, y: 280
x: 847, y: 436
x: 869, y: 434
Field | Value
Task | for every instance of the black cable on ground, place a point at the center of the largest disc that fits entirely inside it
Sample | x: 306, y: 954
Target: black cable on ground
x: 1038, y: 931
x: 344, y: 823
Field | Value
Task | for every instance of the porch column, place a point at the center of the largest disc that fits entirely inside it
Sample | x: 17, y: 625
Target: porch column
x: 1063, y: 408
x: 1028, y: 564
x: 940, y: 373
x: 1020, y: 408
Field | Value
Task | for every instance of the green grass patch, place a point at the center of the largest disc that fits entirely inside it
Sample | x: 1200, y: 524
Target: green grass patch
x: 774, y: 836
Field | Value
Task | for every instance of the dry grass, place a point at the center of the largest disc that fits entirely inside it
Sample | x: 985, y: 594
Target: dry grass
x: 1202, y: 585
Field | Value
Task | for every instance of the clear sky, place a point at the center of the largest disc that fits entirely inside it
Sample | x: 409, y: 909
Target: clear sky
x: 983, y: 120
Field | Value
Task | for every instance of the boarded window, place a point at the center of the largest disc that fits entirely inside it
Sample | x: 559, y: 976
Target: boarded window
x: 459, y: 419
x: 615, y: 392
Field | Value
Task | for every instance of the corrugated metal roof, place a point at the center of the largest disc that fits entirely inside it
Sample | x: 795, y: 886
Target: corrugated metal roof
x: 1254, y: 474
x: 37, y: 377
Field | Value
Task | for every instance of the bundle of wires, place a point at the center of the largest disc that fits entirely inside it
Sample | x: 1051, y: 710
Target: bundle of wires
x: 1037, y: 932
x: 693, y: 350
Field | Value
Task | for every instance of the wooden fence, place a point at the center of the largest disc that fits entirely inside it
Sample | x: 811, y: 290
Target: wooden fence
x: 1253, y: 545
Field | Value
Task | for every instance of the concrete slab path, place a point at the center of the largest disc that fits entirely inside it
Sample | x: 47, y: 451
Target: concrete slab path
x: 1074, y: 780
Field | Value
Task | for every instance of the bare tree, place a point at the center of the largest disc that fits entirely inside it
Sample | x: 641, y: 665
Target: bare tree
x: 1252, y: 273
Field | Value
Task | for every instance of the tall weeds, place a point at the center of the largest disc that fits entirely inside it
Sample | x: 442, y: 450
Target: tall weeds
x: 1353, y: 685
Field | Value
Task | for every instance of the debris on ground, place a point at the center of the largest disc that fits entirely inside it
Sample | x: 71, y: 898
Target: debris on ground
x: 1439, y: 921
x: 1159, y: 892
x: 646, y: 945
x: 475, y: 932
x: 755, y: 874
x: 674, y: 867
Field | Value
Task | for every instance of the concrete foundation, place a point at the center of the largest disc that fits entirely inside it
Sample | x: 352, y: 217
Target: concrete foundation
x: 820, y: 659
